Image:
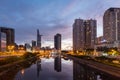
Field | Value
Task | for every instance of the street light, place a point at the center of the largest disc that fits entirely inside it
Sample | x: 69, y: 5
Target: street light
x: 11, y: 48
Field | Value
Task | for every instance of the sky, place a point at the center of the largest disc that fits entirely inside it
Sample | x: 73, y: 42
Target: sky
x: 51, y: 17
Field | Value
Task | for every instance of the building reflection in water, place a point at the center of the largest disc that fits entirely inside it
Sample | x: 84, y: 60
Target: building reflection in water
x: 57, y: 63
x: 38, y: 67
x: 83, y: 72
x: 80, y: 73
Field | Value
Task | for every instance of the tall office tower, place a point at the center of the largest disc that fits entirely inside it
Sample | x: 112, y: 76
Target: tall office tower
x: 111, y: 25
x: 84, y: 34
x: 33, y: 43
x: 57, y: 41
x: 90, y: 33
x: 78, y: 35
x: 6, y: 37
x: 38, y: 39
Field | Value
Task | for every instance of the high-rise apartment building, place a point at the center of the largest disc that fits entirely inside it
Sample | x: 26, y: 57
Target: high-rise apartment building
x: 84, y: 34
x: 90, y: 33
x: 78, y: 35
x: 57, y: 41
x: 111, y: 25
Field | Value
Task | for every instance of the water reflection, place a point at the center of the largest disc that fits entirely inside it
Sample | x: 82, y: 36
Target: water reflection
x: 22, y: 71
x: 21, y: 68
x: 57, y: 63
x: 48, y: 69
x: 80, y: 72
x: 55, y: 68
x: 84, y: 72
x: 38, y: 67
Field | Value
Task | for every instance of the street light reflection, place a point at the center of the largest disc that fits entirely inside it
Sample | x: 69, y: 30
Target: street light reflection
x: 22, y: 71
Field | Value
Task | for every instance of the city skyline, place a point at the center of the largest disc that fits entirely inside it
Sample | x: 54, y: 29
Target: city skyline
x: 50, y: 17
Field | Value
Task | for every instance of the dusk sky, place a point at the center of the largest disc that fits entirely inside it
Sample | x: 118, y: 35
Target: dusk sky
x: 50, y: 17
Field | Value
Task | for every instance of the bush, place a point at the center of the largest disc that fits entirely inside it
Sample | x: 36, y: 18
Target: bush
x: 83, y: 57
x: 29, y: 55
x: 10, y: 59
x: 103, y: 58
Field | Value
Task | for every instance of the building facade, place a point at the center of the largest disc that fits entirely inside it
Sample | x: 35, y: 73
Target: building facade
x: 90, y: 33
x: 27, y: 47
x: 78, y: 35
x: 99, y: 39
x: 57, y: 42
x: 3, y: 41
x: 38, y: 39
x: 33, y: 43
x: 7, y: 37
x: 84, y: 34
x: 111, y: 26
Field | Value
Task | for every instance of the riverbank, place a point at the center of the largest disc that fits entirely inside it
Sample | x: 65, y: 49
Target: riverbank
x: 100, y: 67
x: 25, y: 59
x: 102, y: 59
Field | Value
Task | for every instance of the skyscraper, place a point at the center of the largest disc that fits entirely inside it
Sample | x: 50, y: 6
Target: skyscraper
x: 78, y: 35
x: 38, y: 39
x: 57, y: 41
x: 84, y: 34
x: 90, y: 33
x: 33, y: 43
x: 6, y: 37
x: 34, y: 46
x: 111, y: 25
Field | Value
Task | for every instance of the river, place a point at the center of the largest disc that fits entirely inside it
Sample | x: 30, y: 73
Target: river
x: 54, y: 68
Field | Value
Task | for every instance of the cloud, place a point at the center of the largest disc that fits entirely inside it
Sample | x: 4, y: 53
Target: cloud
x: 50, y: 17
